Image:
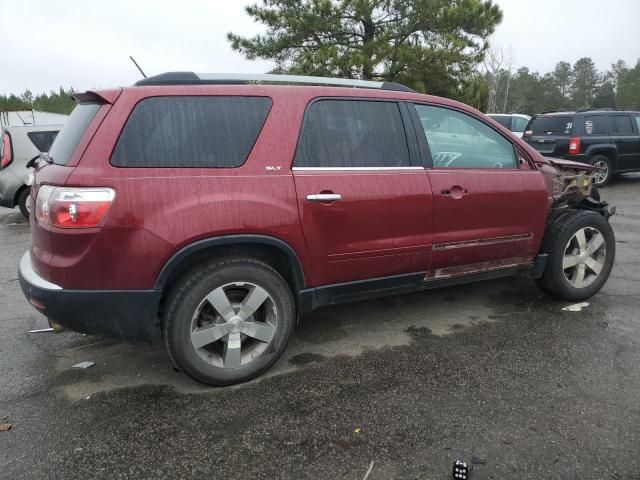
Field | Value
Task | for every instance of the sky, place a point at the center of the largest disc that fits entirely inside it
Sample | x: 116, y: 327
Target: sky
x: 45, y: 44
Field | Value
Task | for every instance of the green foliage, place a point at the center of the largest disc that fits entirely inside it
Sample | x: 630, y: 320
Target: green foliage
x: 431, y: 45
x: 55, y: 102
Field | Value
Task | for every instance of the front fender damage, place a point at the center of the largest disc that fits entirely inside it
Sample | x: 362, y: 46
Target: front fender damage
x: 570, y: 185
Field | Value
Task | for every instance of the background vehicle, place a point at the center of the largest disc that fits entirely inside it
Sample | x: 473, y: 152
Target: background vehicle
x: 515, y: 122
x: 212, y: 213
x: 608, y: 139
x: 19, y: 145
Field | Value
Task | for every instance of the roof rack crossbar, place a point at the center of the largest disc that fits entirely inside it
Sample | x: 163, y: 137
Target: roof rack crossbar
x: 190, y: 78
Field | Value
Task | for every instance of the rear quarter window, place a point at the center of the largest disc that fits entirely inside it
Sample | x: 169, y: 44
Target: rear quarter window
x: 191, y: 132
x: 595, y: 125
x: 42, y: 140
x: 551, y: 125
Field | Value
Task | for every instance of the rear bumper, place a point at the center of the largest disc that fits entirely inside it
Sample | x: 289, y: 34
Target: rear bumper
x: 123, y: 314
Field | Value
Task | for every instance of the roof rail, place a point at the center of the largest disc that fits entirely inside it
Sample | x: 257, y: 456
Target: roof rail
x: 191, y: 78
x: 604, y: 109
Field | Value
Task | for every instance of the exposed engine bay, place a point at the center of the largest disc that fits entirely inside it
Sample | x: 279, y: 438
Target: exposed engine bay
x: 571, y: 186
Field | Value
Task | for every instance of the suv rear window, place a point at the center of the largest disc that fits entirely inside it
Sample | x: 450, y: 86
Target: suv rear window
x: 191, y: 132
x: 353, y: 134
x: 42, y: 140
x: 67, y: 140
x: 551, y: 125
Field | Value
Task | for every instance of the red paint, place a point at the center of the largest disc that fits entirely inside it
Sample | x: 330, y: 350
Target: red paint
x: 385, y: 224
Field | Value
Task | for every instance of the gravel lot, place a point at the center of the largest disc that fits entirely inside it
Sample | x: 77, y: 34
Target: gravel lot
x: 495, y: 371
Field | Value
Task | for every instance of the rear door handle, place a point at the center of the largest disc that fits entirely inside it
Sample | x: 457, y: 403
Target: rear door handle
x: 324, y: 197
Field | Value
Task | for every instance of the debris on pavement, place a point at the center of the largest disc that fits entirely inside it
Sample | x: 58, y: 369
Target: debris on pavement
x: 5, y: 427
x: 576, y: 307
x: 84, y: 365
x: 478, y: 461
x: 366, y: 475
x: 42, y: 330
x: 357, y: 430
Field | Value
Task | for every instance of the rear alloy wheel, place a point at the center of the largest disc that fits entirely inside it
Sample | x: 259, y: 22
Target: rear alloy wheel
x: 24, y: 202
x: 605, y: 170
x: 229, y: 321
x: 581, y: 249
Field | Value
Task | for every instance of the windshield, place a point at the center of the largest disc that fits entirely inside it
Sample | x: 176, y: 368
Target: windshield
x: 70, y: 135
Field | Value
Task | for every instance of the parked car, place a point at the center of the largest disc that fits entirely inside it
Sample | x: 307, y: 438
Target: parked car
x: 19, y: 145
x: 606, y: 138
x: 210, y: 211
x: 515, y: 122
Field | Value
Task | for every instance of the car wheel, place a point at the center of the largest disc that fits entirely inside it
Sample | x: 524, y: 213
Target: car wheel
x: 228, y: 321
x: 581, y: 250
x: 605, y: 170
x: 24, y: 202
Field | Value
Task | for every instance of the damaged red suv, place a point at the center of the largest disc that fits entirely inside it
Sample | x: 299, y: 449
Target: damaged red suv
x: 210, y: 211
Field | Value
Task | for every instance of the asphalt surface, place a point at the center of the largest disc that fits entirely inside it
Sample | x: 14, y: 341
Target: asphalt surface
x: 495, y: 371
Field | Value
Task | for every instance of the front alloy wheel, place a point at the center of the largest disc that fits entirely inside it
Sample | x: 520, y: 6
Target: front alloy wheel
x: 584, y: 257
x: 580, y: 248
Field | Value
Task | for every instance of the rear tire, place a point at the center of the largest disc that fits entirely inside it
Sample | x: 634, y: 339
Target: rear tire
x: 228, y: 321
x: 24, y: 200
x: 581, y: 251
x: 605, y: 173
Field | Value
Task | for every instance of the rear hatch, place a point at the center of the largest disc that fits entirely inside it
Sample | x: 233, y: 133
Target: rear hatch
x: 53, y: 170
x: 550, y: 133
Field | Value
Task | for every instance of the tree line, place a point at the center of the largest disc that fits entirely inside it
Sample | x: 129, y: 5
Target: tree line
x: 568, y: 86
x: 55, y: 101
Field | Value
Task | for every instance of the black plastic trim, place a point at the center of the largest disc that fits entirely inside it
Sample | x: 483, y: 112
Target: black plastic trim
x: 313, y: 298
x: 130, y: 315
x: 206, y: 243
x: 171, y: 78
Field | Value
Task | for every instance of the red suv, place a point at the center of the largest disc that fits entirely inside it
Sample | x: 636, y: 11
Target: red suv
x: 210, y: 211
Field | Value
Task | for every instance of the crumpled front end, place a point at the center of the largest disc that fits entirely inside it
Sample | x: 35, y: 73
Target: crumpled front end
x: 571, y: 185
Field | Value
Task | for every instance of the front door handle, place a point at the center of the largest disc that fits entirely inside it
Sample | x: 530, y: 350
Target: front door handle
x: 454, y: 192
x: 324, y: 197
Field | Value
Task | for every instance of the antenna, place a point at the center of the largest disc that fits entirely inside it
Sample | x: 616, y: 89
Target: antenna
x: 137, y: 66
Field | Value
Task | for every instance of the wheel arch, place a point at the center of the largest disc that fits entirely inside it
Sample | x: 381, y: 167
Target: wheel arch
x: 16, y: 196
x: 276, y: 252
x: 608, y: 151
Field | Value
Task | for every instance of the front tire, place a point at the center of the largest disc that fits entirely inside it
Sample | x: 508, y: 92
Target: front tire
x: 24, y: 201
x: 228, y: 321
x: 581, y: 251
x: 605, y: 170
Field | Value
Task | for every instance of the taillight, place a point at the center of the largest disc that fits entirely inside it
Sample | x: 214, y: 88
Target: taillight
x: 7, y: 154
x: 71, y: 207
x: 574, y: 145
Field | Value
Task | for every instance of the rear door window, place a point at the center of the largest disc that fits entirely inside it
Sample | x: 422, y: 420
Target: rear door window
x: 595, y: 125
x: 503, y: 120
x: 620, y: 125
x: 518, y: 124
x: 352, y: 134
x: 67, y: 140
x: 555, y: 125
x: 191, y: 132
x: 42, y: 140
x: 638, y: 122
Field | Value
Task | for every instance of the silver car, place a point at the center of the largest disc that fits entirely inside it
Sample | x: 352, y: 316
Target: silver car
x: 19, y: 145
x: 515, y: 122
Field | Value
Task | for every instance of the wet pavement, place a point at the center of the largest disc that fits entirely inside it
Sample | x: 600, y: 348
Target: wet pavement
x: 495, y: 371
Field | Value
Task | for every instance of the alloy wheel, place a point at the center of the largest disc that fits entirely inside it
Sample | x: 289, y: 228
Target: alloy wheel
x: 584, y: 257
x: 603, y: 171
x: 234, y: 324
